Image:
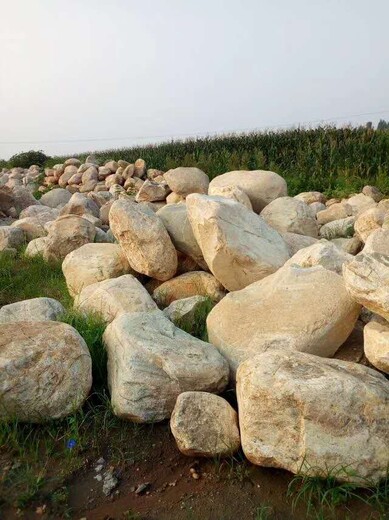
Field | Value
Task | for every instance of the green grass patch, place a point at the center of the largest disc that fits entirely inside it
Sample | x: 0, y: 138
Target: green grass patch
x: 22, y: 278
x: 91, y: 327
x: 321, y: 495
x: 197, y: 324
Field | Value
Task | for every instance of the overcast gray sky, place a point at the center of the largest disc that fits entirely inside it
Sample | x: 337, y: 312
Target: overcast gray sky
x: 130, y: 71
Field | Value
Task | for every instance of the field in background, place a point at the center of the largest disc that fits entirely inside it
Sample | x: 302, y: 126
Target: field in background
x: 337, y: 161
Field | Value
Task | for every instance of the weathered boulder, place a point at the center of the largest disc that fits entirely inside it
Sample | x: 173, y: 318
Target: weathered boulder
x: 352, y: 246
x: 373, y: 192
x: 205, y: 425
x: 336, y: 211
x: 56, y: 197
x: 312, y: 415
x: 174, y: 198
x: 36, y: 309
x: 184, y: 181
x: 376, y: 343
x: 144, y: 239
x: 72, y: 161
x: 322, y: 253
x: 342, y: 228
x: 113, y: 297
x: 79, y: 204
x: 185, y: 309
x: 194, y: 283
x: 290, y: 215
x: 46, y: 371
x: 261, y: 186
x: 152, y: 191
x: 140, y: 168
x: 359, y: 203
x: 93, y: 263
x: 238, y: 246
x: 366, y: 279
x: 231, y: 192
x: 305, y: 309
x: 23, y: 198
x: 368, y: 221
x: 33, y: 227
x: 311, y: 197
x: 316, y: 207
x: 377, y: 242
x: 11, y: 237
x: 36, y: 247
x: 176, y: 221
x: 66, y: 234
x: 151, y: 362
x: 43, y: 213
x: 296, y: 242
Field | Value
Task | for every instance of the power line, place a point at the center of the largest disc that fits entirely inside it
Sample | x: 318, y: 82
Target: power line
x: 178, y: 136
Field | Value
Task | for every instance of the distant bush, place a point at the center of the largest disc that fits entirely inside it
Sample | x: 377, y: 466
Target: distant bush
x: 26, y: 159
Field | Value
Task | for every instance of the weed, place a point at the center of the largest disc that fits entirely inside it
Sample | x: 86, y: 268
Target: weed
x: 324, y: 493
x: 23, y: 277
x: 91, y: 327
x: 263, y: 512
x: 196, y: 325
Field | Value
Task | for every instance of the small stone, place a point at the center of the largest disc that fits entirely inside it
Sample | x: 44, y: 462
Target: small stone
x: 196, y: 476
x: 142, y: 488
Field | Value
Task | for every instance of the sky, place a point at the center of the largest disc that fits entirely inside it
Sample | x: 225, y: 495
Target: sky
x: 78, y: 75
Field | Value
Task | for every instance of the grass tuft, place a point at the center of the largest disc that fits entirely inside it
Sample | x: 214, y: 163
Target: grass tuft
x: 91, y: 327
x: 22, y: 278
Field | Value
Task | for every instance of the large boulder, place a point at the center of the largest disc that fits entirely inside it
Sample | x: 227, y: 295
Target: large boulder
x: 189, y: 284
x: 357, y: 204
x: 205, y: 425
x: 33, y: 227
x: 305, y: 309
x: 176, y: 221
x: 151, y: 191
x: 185, y: 309
x: 238, y: 246
x: 184, y: 181
x: 151, y: 362
x: 42, y: 213
x: 261, y: 186
x: 377, y: 242
x: 296, y: 242
x: 311, y: 197
x: 56, y: 197
x: 342, y: 228
x: 113, y: 297
x: 368, y: 221
x: 79, y: 204
x: 336, y: 211
x: 366, y: 279
x: 11, y: 237
x: 231, y: 192
x: 46, y: 371
x: 376, y: 343
x: 290, y: 215
x: 36, y: 247
x: 311, y: 415
x: 22, y: 198
x: 66, y: 234
x: 93, y: 263
x: 322, y: 253
x: 35, y: 309
x: 144, y: 239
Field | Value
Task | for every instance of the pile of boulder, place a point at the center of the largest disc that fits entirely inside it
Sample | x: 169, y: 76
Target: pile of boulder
x: 290, y: 279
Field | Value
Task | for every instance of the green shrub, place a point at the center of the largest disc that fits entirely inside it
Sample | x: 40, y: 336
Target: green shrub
x: 26, y: 159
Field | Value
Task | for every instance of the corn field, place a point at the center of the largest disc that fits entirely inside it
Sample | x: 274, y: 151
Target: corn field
x: 329, y: 159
